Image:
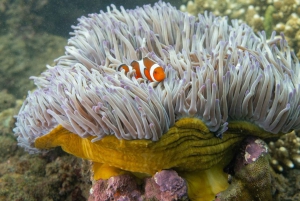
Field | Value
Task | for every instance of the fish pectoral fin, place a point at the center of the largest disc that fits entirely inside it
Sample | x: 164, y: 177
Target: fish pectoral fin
x: 147, y: 74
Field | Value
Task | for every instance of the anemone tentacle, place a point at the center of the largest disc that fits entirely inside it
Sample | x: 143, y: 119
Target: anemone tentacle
x: 215, y: 71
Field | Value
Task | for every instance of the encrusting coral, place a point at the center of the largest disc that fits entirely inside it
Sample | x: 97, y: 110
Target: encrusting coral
x: 223, y: 83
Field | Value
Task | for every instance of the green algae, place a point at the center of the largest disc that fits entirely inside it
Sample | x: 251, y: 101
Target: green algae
x: 268, y: 21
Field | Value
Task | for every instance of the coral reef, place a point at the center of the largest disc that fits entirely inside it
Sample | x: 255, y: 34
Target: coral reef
x: 165, y: 185
x: 28, y: 177
x: 62, y: 179
x: 287, y: 188
x: 285, y: 152
x: 279, y: 15
x: 51, y: 176
x: 223, y: 83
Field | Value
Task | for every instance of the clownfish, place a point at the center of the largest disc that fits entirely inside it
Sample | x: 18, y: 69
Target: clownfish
x: 146, y: 69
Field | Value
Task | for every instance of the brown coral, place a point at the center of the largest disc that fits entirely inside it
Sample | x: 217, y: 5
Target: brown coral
x: 283, y: 18
x: 285, y: 152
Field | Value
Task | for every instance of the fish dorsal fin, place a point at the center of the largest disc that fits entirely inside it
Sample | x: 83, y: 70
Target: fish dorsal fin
x: 148, y: 62
x: 136, y: 66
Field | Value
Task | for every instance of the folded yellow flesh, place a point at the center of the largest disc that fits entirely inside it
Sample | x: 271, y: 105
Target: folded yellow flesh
x: 188, y: 147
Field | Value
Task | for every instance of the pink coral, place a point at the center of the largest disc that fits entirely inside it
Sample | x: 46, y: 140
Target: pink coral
x: 121, y: 188
x: 165, y: 185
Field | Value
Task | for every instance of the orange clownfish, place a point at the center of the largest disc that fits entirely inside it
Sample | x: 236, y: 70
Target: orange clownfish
x: 146, y: 69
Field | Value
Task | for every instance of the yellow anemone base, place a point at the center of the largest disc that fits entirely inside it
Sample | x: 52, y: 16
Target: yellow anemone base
x: 188, y: 147
x: 203, y: 185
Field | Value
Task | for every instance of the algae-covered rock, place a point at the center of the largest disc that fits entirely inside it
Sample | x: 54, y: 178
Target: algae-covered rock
x: 21, y: 58
x: 250, y: 174
x: 6, y: 100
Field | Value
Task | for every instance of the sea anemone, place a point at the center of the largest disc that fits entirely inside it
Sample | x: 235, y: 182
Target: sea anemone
x: 222, y: 83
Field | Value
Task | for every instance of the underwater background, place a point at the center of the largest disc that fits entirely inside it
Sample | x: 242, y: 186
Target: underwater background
x: 34, y: 32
